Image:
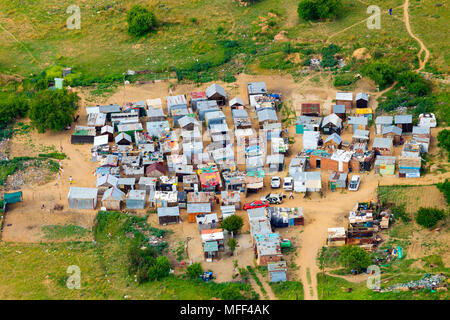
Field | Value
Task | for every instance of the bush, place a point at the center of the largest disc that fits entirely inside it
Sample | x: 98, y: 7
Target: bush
x: 140, y: 262
x: 194, y: 270
x: 382, y: 73
x: 429, y: 217
x: 233, y: 223
x: 12, y: 108
x: 160, y: 269
x: 444, y: 140
x: 354, y: 258
x: 231, y: 293
x: 318, y: 9
x: 444, y: 187
x: 53, y: 110
x: 345, y: 79
x: 414, y: 83
x: 140, y: 21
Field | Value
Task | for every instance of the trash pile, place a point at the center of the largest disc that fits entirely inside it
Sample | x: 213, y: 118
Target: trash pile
x: 386, y: 256
x: 427, y: 282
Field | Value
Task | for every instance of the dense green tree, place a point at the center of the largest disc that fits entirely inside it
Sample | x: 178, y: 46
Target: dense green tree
x: 414, y: 83
x: 443, y: 138
x: 231, y: 293
x: 194, y: 270
x: 444, y: 187
x: 382, y: 73
x: 232, y: 243
x: 140, y: 262
x: 53, y: 109
x: 429, y: 217
x: 318, y: 9
x: 140, y: 21
x: 160, y: 269
x: 233, y: 223
x: 354, y: 258
x: 12, y: 108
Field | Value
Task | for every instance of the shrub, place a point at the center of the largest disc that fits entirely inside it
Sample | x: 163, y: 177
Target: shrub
x: 140, y: 262
x: 140, y: 21
x: 232, y: 243
x: 160, y: 269
x: 382, y: 73
x: 318, y: 9
x: 12, y: 108
x: 233, y: 223
x: 414, y: 83
x: 444, y: 140
x: 194, y: 270
x: 354, y: 258
x: 429, y: 217
x: 231, y: 293
x: 444, y: 187
x: 345, y: 79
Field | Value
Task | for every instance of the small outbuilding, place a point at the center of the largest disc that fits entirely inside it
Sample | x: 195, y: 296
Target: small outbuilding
x: 217, y: 93
x: 112, y: 199
x: 169, y: 215
x: 332, y: 124
x: 277, y: 271
x: 82, y: 198
x: 404, y: 122
x: 136, y: 199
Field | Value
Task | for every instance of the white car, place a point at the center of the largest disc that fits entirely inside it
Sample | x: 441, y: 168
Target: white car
x: 275, y: 182
x: 354, y: 183
x: 288, y: 183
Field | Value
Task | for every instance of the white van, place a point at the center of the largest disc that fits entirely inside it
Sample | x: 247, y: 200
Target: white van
x: 288, y: 183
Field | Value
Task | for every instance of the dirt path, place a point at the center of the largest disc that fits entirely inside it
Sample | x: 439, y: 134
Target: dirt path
x: 256, y: 288
x: 423, y: 62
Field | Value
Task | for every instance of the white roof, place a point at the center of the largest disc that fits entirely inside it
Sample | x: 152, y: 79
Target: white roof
x: 101, y: 140
x: 236, y: 100
x: 155, y: 103
x: 82, y: 193
x: 346, y: 96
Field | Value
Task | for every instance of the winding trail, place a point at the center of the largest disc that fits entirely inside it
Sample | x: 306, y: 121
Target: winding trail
x: 423, y: 62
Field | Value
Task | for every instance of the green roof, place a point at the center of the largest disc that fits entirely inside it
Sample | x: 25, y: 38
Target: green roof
x: 13, y: 197
x: 210, y: 246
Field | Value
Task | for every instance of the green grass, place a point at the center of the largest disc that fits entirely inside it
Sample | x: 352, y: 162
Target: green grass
x: 258, y: 282
x: 333, y: 288
x: 38, y: 271
x: 55, y: 232
x: 288, y: 290
x: 224, y: 37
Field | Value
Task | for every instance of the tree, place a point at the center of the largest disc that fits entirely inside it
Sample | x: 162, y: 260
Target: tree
x: 53, y: 110
x: 194, y: 270
x: 429, y: 217
x: 12, y: 108
x: 354, y: 258
x: 233, y: 223
x: 443, y: 138
x: 160, y: 269
x: 414, y: 83
x: 232, y: 244
x: 140, y: 262
x: 318, y: 9
x: 382, y: 73
x: 140, y: 21
x: 444, y: 187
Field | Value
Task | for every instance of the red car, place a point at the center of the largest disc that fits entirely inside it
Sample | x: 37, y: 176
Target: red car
x: 256, y: 204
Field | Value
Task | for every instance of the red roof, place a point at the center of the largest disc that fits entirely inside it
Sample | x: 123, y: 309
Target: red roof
x: 198, y: 95
x: 308, y: 108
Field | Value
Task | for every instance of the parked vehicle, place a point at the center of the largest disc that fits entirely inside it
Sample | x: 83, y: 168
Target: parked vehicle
x: 354, y: 183
x: 256, y: 204
x: 288, y: 183
x: 275, y: 182
x: 274, y: 198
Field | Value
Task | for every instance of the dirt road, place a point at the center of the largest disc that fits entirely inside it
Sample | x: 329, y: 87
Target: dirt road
x: 422, y: 62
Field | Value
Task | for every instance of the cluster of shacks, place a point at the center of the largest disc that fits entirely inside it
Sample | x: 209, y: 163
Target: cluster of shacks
x: 178, y: 156
x: 365, y: 220
x: 325, y: 149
